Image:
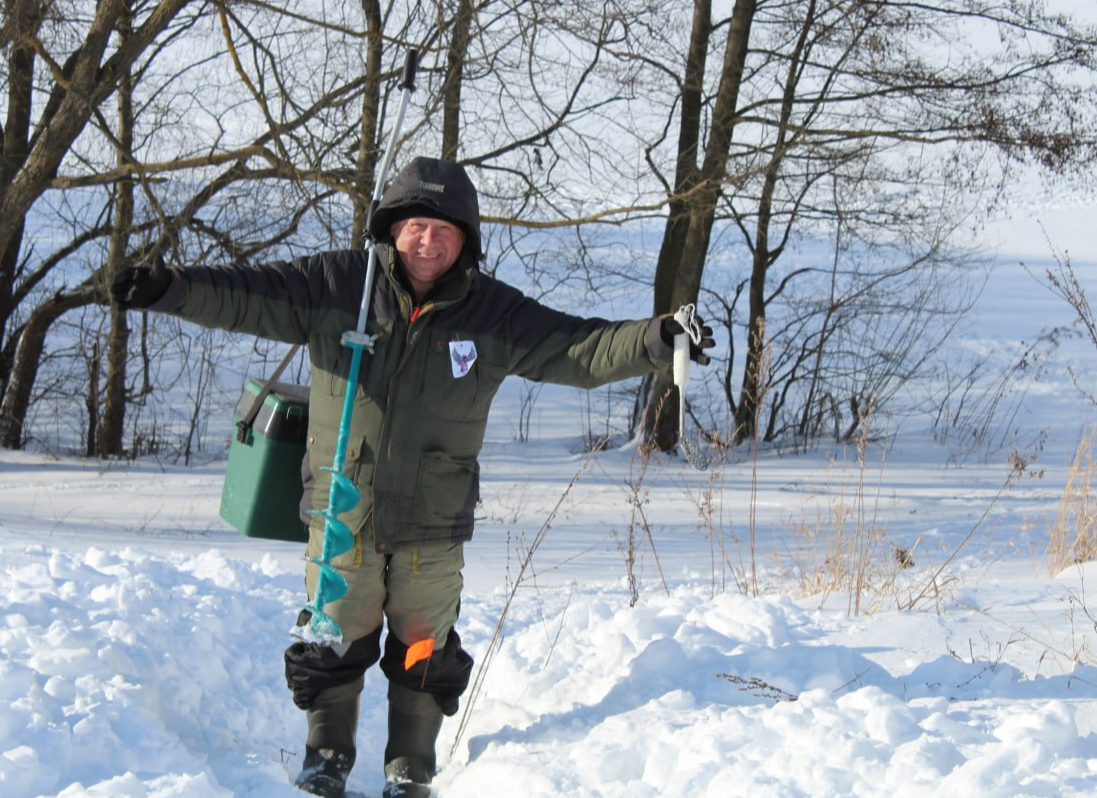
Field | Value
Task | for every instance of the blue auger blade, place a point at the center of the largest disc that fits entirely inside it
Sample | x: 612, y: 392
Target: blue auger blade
x: 330, y: 586
x: 338, y: 539
x: 322, y: 628
x: 344, y: 494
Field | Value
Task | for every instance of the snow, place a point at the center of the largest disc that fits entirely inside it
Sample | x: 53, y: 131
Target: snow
x: 141, y: 638
x: 155, y: 670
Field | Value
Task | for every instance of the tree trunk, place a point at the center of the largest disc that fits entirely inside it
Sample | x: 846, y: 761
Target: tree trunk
x: 682, y: 256
x: 451, y: 88
x: 368, y: 147
x: 686, y: 169
x: 91, y: 401
x: 13, y: 411
x: 753, y: 387
x: 16, y: 143
x: 661, y: 411
x: 113, y: 418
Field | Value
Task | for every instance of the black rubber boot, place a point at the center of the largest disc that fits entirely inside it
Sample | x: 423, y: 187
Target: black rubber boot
x: 325, y: 772
x: 330, y: 748
x: 410, y: 762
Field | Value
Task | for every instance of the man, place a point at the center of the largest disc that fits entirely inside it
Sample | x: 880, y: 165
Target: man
x: 447, y: 335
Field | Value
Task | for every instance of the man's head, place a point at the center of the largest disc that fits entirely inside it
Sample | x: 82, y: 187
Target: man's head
x: 431, y: 188
x: 428, y: 246
x: 431, y: 213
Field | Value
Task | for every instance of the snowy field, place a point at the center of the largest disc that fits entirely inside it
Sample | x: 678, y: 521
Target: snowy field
x: 141, y: 638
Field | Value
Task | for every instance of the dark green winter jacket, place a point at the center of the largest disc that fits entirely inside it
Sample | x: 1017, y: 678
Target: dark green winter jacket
x: 424, y: 393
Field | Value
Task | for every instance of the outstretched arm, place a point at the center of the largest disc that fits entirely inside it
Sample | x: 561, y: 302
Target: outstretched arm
x: 554, y: 347
x: 285, y: 300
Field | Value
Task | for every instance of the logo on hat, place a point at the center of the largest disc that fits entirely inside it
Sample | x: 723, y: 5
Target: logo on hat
x: 425, y: 186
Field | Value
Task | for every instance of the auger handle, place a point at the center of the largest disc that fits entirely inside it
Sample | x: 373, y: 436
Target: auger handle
x: 411, y: 63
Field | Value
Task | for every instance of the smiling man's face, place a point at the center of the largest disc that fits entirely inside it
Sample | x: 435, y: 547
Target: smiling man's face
x: 428, y: 248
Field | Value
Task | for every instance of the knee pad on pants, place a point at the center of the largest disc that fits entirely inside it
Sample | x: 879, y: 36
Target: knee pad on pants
x: 312, y: 668
x: 444, y: 674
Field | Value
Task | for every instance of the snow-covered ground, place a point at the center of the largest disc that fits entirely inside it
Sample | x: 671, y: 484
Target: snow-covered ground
x: 141, y: 638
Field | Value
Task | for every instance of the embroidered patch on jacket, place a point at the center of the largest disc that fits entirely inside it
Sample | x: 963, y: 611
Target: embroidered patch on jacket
x: 462, y: 355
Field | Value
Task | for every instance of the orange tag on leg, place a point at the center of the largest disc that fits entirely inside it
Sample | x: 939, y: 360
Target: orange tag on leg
x: 418, y: 652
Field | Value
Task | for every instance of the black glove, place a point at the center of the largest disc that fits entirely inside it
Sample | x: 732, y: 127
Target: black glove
x: 668, y: 328
x: 137, y: 287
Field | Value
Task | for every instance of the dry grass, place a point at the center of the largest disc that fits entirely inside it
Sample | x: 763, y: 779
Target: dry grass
x: 845, y: 548
x: 1073, y: 537
x: 519, y: 580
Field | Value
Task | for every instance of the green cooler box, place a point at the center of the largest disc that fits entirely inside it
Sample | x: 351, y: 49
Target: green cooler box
x: 263, y: 479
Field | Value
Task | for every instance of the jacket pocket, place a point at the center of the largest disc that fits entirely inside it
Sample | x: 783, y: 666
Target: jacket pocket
x: 358, y: 465
x: 446, y: 491
x: 454, y: 386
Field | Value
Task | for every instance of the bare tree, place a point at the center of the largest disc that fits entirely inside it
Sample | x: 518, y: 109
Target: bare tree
x: 280, y: 168
x: 763, y: 126
x: 82, y: 73
x: 112, y: 420
x: 862, y: 103
x: 369, y: 147
x: 698, y: 186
